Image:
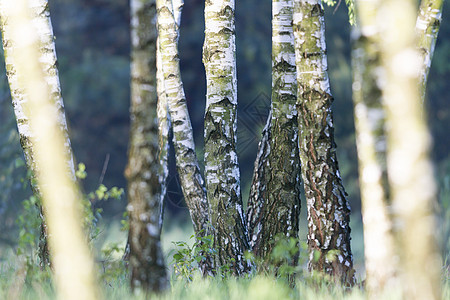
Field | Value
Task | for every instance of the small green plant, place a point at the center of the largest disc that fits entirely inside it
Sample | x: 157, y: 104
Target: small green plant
x: 186, y: 258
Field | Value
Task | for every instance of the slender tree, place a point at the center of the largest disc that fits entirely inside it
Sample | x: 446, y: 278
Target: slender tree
x: 410, y: 171
x: 145, y: 177
x: 327, y: 204
x: 221, y: 161
x: 40, y: 15
x: 370, y: 125
x: 274, y: 202
x: 188, y: 169
x: 24, y: 27
x: 427, y: 29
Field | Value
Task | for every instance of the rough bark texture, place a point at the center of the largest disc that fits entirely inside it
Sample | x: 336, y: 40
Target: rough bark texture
x: 410, y: 171
x: 40, y: 15
x: 427, y: 29
x: 221, y: 162
x: 328, y: 208
x: 370, y: 118
x: 30, y: 57
x: 143, y: 172
x: 274, y: 202
x: 187, y: 165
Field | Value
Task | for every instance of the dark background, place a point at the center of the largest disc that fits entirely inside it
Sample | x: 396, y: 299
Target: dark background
x: 93, y: 46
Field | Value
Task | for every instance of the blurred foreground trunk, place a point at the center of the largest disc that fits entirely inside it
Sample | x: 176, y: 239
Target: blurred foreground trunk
x: 274, y: 202
x: 144, y: 173
x: 221, y: 161
x: 29, y: 62
x: 40, y: 15
x: 370, y: 125
x: 327, y: 204
x: 411, y: 180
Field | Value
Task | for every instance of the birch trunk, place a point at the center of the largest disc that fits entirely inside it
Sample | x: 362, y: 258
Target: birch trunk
x: 370, y: 119
x: 427, y: 29
x: 328, y: 208
x: 274, y: 202
x: 40, y: 15
x: 145, y: 195
x: 30, y: 60
x: 221, y: 162
x: 409, y: 168
x: 187, y: 165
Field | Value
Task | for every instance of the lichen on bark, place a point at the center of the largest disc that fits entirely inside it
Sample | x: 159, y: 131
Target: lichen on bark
x: 221, y: 161
x: 327, y: 204
x: 274, y: 202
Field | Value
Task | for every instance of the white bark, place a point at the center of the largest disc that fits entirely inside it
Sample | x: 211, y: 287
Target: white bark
x: 381, y: 262
x: 24, y: 24
x: 410, y: 171
x: 221, y: 161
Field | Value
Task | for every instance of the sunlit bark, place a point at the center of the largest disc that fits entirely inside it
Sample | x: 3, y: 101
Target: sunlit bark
x: 274, y: 202
x: 42, y: 124
x: 327, y: 204
x: 221, y: 161
x: 40, y: 14
x: 370, y: 125
x: 410, y: 171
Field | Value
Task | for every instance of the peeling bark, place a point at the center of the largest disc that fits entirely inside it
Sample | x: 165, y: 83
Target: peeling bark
x: 221, y: 161
x: 41, y: 21
x: 143, y: 172
x: 187, y: 164
x: 327, y: 204
x: 427, y: 29
x: 411, y: 180
x: 274, y: 202
x: 370, y: 126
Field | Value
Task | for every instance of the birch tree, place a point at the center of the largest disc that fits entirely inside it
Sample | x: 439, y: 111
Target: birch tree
x: 370, y: 118
x: 30, y: 57
x: 144, y: 174
x: 221, y: 162
x: 427, y: 29
x: 327, y: 204
x: 188, y: 169
x: 40, y: 15
x: 370, y: 126
x: 274, y: 202
x: 409, y: 168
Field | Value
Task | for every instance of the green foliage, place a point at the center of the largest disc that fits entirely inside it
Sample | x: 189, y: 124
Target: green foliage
x: 186, y: 258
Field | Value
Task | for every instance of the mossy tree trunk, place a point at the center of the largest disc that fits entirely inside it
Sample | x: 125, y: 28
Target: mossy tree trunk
x: 221, y: 161
x: 30, y: 59
x: 188, y: 169
x: 327, y: 204
x: 411, y: 180
x: 40, y: 15
x: 274, y: 202
x: 370, y: 126
x: 427, y: 29
x: 148, y: 271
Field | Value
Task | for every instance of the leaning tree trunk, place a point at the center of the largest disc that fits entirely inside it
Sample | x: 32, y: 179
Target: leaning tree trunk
x: 148, y: 271
x: 427, y: 29
x: 411, y: 180
x: 40, y: 14
x: 370, y: 123
x: 187, y: 165
x: 328, y: 208
x: 37, y: 94
x: 274, y: 202
x: 221, y: 161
